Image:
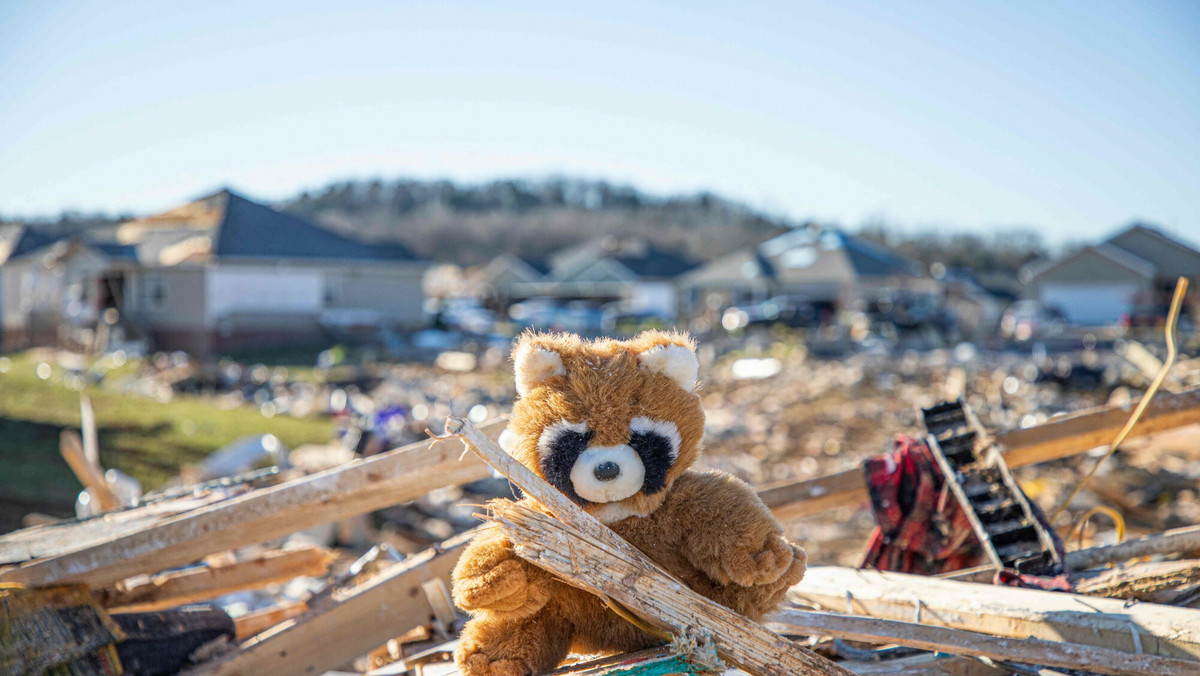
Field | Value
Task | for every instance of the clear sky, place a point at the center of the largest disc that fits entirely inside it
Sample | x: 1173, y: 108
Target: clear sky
x: 1070, y: 117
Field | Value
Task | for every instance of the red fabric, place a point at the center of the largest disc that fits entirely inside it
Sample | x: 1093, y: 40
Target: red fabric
x: 922, y: 529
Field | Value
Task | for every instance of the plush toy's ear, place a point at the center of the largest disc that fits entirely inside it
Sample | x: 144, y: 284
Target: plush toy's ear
x: 535, y: 364
x: 676, y: 362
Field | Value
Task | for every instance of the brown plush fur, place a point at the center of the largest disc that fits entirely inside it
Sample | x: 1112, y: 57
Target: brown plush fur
x: 708, y: 529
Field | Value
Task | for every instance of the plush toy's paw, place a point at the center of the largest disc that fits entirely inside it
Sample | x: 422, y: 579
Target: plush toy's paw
x: 501, y: 588
x: 478, y: 664
x: 764, y: 564
x: 505, y: 590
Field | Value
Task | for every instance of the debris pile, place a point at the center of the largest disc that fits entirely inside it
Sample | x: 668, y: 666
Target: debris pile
x: 337, y: 560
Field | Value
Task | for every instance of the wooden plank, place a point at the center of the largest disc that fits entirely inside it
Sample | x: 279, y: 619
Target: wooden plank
x: 583, y: 552
x: 1089, y: 658
x: 358, y: 487
x: 1183, y: 541
x: 180, y: 587
x: 927, y: 664
x: 1142, y: 581
x: 89, y: 474
x: 255, y: 623
x: 1176, y: 541
x: 1004, y: 611
x: 348, y: 625
x: 1059, y: 438
x: 61, y: 537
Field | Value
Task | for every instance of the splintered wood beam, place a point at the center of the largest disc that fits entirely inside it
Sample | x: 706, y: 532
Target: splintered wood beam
x: 180, y: 587
x: 1142, y: 581
x: 1061, y: 437
x: 1004, y: 611
x: 60, y: 537
x: 585, y: 553
x: 1089, y: 658
x: 88, y: 472
x: 255, y: 623
x: 358, y: 487
x: 929, y: 664
x: 1176, y: 541
x: 349, y: 624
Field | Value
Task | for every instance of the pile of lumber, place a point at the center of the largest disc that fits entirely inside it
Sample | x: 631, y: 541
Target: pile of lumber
x: 1131, y: 612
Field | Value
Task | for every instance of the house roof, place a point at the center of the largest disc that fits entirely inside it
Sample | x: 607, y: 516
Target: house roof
x: 228, y: 225
x: 1169, y: 256
x: 249, y: 229
x: 1141, y: 249
x: 806, y: 255
x: 538, y: 265
x: 1112, y: 254
x: 871, y: 260
x: 635, y: 254
x: 53, y: 249
x: 493, y: 270
x: 17, y: 239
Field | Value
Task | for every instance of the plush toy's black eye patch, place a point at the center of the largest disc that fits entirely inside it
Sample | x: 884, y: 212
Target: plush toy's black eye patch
x: 564, y: 450
x: 657, y: 456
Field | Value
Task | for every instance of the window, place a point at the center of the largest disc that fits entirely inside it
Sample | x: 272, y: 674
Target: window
x: 152, y: 292
x: 333, y: 289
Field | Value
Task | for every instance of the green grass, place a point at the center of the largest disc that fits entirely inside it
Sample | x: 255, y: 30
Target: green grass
x: 140, y: 436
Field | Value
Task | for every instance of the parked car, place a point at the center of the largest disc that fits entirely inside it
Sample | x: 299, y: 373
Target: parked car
x: 1026, y: 319
x: 464, y: 315
x: 779, y: 310
x: 546, y: 314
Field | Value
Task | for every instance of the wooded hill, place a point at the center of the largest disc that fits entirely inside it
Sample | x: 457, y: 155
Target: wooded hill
x: 470, y: 224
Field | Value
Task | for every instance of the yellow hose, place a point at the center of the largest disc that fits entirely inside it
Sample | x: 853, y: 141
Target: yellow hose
x: 1172, y: 352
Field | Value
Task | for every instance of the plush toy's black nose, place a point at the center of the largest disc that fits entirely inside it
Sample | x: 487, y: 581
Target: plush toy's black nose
x: 607, y: 471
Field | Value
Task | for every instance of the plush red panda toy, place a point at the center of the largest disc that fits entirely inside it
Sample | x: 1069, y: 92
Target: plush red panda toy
x: 615, y: 425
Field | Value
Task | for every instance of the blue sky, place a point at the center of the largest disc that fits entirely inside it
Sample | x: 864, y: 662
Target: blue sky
x: 1069, y: 117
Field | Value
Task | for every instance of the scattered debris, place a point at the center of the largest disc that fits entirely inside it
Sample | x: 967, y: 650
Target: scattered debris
x: 276, y: 554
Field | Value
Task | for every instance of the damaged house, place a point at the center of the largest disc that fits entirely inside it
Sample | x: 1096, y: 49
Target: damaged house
x: 823, y: 266
x: 1127, y: 278
x: 222, y: 272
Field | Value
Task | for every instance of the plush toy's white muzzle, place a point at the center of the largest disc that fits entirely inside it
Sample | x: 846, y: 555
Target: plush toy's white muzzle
x: 608, y: 473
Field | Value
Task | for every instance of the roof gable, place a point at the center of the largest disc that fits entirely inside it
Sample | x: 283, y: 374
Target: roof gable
x: 600, y: 270
x: 1171, y: 257
x: 744, y: 266
x: 253, y: 230
x: 18, y: 240
x: 507, y: 268
x: 634, y: 254
x: 1103, y: 254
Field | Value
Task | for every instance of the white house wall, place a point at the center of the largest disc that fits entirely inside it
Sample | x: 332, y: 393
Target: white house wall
x: 1091, y: 303
x: 262, y: 290
x: 394, y: 291
x: 656, y: 297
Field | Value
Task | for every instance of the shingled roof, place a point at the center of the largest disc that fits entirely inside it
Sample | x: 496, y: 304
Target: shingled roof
x: 227, y: 225
x: 809, y: 254
x: 249, y: 229
x: 17, y: 239
x: 637, y: 255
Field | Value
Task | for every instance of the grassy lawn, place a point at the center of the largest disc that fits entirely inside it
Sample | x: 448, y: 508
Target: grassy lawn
x: 143, y: 437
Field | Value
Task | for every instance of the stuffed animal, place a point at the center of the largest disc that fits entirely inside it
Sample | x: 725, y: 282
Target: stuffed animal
x: 615, y: 425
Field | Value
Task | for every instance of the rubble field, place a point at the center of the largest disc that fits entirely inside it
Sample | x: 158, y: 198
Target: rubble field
x: 783, y: 414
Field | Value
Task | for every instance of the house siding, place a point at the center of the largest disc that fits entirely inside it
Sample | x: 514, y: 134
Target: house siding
x: 1170, y: 259
x: 394, y: 291
x: 1089, y: 266
x: 35, y: 300
x: 183, y: 298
